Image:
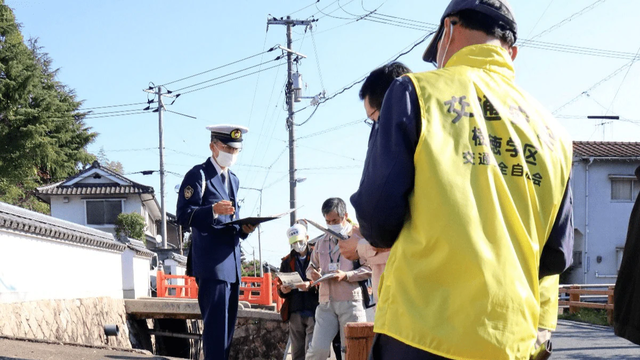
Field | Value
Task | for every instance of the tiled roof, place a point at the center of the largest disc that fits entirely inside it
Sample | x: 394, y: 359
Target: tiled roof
x: 141, y: 250
x: 21, y: 220
x: 94, y: 189
x: 609, y: 149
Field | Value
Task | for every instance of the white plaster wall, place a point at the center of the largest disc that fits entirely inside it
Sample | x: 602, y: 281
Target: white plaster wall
x: 141, y: 266
x: 33, y: 268
x: 75, y: 210
x: 128, y: 282
x: 72, y: 211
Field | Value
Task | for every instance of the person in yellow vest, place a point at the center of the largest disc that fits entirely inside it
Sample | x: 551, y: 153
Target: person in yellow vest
x: 548, y: 320
x: 467, y: 181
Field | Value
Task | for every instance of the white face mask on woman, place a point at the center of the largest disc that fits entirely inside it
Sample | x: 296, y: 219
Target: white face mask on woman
x: 225, y: 159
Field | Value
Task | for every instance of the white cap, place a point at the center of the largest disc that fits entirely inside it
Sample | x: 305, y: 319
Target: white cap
x: 228, y: 134
x: 296, y: 233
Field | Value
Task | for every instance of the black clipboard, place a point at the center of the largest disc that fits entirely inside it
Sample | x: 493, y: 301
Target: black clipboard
x: 256, y: 220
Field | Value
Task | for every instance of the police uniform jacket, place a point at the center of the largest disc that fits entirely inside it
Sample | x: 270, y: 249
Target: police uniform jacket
x: 215, y: 248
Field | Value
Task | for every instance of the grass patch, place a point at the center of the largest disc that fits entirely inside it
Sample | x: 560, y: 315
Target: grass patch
x: 586, y: 315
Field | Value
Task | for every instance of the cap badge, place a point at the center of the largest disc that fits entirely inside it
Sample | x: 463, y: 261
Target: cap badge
x: 236, y: 134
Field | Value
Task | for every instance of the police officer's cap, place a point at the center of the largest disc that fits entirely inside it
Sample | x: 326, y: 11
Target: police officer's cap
x: 499, y: 10
x: 228, y: 134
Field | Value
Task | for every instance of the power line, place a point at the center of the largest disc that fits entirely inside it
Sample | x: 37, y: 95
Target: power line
x: 114, y: 112
x: 106, y: 116
x: 622, y: 82
x: 221, y: 66
x: 112, y: 106
x: 586, y: 92
x: 540, y: 18
x: 235, y: 78
x: 571, y: 17
x: 228, y: 74
x: 308, y: 6
x: 402, y: 53
x: 321, y: 132
x: 126, y: 150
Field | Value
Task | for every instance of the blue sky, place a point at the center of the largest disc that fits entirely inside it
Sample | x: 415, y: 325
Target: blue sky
x: 109, y: 51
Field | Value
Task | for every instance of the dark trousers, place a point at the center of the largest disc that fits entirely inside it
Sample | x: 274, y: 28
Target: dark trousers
x: 218, y: 302
x: 385, y: 347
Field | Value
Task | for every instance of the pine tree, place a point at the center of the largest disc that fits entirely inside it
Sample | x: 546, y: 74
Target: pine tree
x: 43, y: 137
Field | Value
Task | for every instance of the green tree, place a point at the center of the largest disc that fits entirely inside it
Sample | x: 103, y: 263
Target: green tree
x: 104, y: 161
x: 251, y: 268
x: 43, y: 137
x: 130, y: 225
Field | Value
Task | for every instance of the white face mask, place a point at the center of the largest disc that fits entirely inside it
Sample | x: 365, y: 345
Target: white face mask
x: 299, y: 246
x: 225, y: 159
x: 342, y: 230
x: 440, y: 62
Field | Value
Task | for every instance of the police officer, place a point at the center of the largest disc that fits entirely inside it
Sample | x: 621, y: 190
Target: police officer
x: 206, y: 202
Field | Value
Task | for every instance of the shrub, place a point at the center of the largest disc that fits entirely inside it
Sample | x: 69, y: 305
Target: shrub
x: 130, y: 225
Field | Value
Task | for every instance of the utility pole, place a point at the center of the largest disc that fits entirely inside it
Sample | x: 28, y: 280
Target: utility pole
x: 290, y: 99
x: 160, y: 111
x: 259, y: 229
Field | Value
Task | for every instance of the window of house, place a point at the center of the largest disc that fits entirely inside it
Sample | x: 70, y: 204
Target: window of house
x: 103, y: 212
x: 577, y: 259
x: 624, y: 188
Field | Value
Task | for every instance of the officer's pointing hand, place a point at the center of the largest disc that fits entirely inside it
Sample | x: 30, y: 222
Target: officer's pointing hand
x: 224, y: 207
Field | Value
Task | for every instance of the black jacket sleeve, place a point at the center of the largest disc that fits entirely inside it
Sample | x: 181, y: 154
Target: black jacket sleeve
x: 557, y: 253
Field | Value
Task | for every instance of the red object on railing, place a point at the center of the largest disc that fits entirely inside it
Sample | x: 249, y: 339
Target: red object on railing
x: 187, y: 290
x: 256, y: 290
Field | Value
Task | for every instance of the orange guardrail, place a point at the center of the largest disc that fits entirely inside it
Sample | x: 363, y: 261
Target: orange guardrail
x: 255, y: 290
x: 185, y: 287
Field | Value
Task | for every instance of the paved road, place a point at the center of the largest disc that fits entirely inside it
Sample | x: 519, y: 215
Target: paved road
x: 26, y: 350
x: 573, y: 340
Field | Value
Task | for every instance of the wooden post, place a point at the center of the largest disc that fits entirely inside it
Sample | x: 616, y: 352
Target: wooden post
x: 359, y: 338
x: 610, y: 304
x: 574, y: 298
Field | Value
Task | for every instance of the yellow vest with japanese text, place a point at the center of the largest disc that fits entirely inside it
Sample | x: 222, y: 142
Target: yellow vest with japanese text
x: 491, y: 168
x: 549, y: 286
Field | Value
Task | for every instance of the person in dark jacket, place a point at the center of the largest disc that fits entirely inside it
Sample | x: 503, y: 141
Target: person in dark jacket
x: 301, y: 301
x: 626, y: 309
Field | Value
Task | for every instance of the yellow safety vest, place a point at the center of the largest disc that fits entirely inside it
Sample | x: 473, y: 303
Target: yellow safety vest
x: 491, y: 167
x: 549, y: 302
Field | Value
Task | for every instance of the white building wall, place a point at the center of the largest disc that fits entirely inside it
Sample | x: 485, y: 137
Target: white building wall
x: 75, y: 210
x: 32, y: 268
x: 141, y: 266
x: 135, y: 275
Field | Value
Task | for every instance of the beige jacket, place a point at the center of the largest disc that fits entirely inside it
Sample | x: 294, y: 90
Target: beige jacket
x: 325, y: 250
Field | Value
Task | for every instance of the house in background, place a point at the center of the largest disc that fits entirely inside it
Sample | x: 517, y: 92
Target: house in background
x: 604, y: 191
x: 96, y: 196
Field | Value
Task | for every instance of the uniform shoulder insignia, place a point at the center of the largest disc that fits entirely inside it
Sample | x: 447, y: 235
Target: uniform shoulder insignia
x: 188, y: 191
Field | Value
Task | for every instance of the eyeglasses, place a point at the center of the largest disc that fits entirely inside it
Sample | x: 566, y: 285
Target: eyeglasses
x: 228, y: 149
x: 370, y: 116
x: 369, y: 122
